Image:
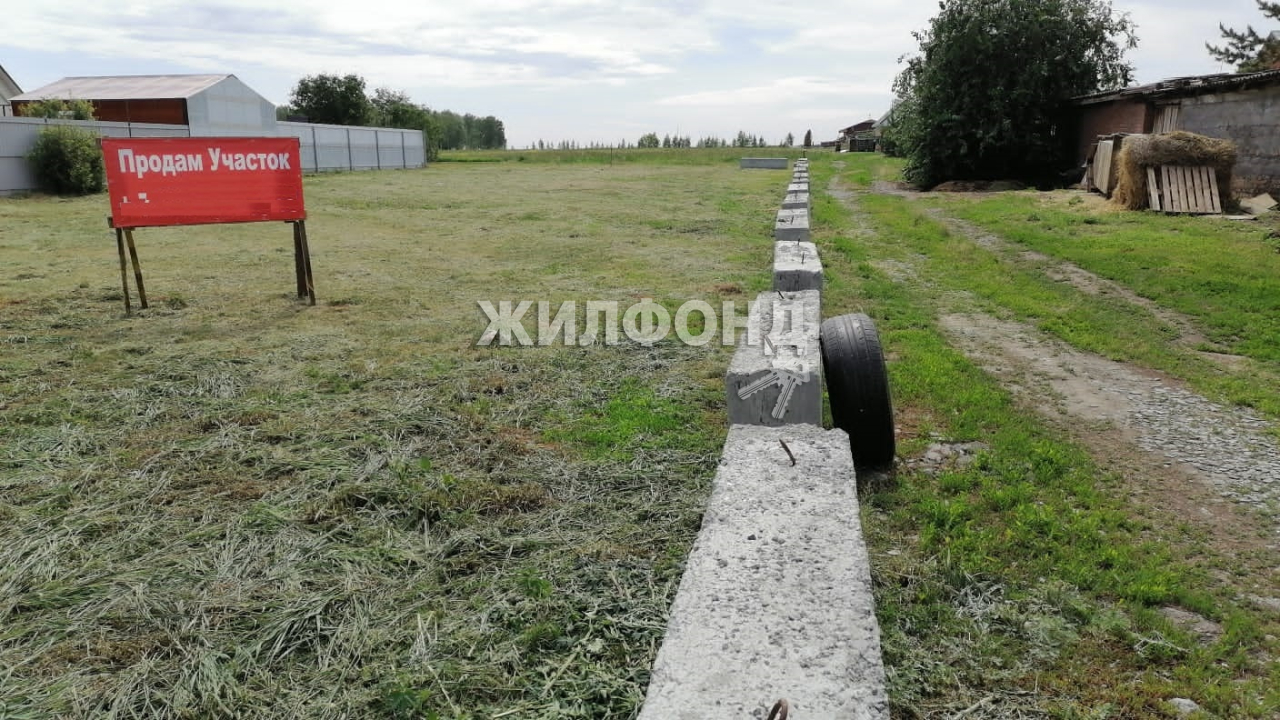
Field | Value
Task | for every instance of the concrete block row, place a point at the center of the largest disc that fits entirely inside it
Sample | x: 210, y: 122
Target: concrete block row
x: 796, y: 267
x: 762, y: 163
x: 796, y: 201
x: 775, y: 377
x: 791, y: 225
x: 775, y: 601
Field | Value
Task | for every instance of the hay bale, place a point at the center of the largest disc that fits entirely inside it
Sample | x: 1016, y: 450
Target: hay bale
x: 1176, y: 148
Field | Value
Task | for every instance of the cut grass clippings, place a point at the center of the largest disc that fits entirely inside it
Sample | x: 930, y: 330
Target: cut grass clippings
x: 232, y: 505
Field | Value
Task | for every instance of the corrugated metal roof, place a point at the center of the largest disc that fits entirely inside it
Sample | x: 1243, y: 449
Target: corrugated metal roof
x: 1192, y: 85
x: 125, y: 87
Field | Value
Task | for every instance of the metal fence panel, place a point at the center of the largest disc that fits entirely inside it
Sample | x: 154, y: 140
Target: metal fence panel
x: 18, y: 135
x: 324, y: 148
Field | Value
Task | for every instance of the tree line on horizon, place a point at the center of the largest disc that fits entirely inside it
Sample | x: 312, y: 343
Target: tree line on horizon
x: 651, y: 141
x: 343, y: 100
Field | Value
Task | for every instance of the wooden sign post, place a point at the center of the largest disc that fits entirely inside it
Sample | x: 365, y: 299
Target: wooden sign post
x: 164, y: 182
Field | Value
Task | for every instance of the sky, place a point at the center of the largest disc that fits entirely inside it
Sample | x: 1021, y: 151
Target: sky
x: 585, y: 70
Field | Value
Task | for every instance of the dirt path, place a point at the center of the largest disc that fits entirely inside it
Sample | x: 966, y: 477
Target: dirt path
x: 1215, y: 467
x: 1224, y: 447
x: 1189, y: 337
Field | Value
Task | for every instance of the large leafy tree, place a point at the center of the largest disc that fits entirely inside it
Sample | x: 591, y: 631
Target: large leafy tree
x: 339, y: 100
x: 1246, y: 49
x: 983, y: 98
x: 392, y: 108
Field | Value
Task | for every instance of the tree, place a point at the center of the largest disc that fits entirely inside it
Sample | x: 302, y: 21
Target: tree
x: 489, y: 133
x: 648, y: 140
x: 789, y: 140
x: 332, y: 99
x: 392, y: 108
x: 1247, y: 50
x: 982, y: 99
x: 57, y: 108
x: 808, y: 138
x: 453, y: 134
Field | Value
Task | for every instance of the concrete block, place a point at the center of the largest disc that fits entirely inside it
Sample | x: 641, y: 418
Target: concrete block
x: 791, y: 225
x: 796, y: 201
x: 775, y: 377
x: 800, y: 177
x: 796, y: 267
x: 763, y: 163
x: 775, y: 601
x: 798, y: 187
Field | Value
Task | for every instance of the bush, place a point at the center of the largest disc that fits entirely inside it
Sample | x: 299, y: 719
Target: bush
x: 56, y: 108
x: 67, y: 161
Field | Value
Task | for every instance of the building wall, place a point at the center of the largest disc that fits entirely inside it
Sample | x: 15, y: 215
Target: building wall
x: 1249, y: 119
x: 1120, y: 116
x: 230, y: 108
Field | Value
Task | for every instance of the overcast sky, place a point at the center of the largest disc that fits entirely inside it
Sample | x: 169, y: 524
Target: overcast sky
x: 561, y: 69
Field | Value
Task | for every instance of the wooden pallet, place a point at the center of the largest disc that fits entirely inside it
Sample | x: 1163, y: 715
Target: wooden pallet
x: 1183, y: 189
x: 1102, y: 166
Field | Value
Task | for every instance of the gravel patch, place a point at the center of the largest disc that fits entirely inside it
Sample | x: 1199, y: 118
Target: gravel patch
x: 1230, y: 448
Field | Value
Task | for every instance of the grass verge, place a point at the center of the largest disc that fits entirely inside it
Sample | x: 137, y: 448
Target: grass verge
x: 1023, y: 584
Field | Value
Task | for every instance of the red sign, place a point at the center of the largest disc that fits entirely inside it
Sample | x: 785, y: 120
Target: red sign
x: 199, y: 180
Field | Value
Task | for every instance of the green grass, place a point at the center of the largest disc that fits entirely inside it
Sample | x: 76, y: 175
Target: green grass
x: 1221, y: 273
x: 1025, y: 583
x: 607, y: 156
x: 233, y: 505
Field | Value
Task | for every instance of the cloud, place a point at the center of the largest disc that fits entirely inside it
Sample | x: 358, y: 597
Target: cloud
x: 556, y: 69
x: 788, y: 90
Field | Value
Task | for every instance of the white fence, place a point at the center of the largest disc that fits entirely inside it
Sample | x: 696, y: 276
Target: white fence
x: 342, y: 147
x: 18, y: 135
x: 324, y: 147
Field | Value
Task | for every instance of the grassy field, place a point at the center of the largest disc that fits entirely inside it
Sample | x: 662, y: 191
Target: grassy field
x: 1030, y: 583
x: 233, y: 505
x: 608, y: 156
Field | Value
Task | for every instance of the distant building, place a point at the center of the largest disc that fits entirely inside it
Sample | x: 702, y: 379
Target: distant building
x: 1240, y: 107
x: 209, y: 104
x: 8, y: 88
x: 859, y: 137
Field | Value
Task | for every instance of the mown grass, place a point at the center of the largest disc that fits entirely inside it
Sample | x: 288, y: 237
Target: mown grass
x: 1024, y: 584
x: 619, y: 156
x: 232, y: 505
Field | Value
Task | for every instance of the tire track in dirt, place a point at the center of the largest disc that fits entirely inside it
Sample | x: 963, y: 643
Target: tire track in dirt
x: 1228, y: 448
x: 1202, y: 461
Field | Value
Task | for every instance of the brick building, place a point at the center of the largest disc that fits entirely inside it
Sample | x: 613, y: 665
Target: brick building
x: 1241, y: 107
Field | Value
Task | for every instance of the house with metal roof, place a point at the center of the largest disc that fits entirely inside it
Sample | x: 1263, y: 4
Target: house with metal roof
x: 208, y: 104
x: 1241, y: 107
x: 8, y: 88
